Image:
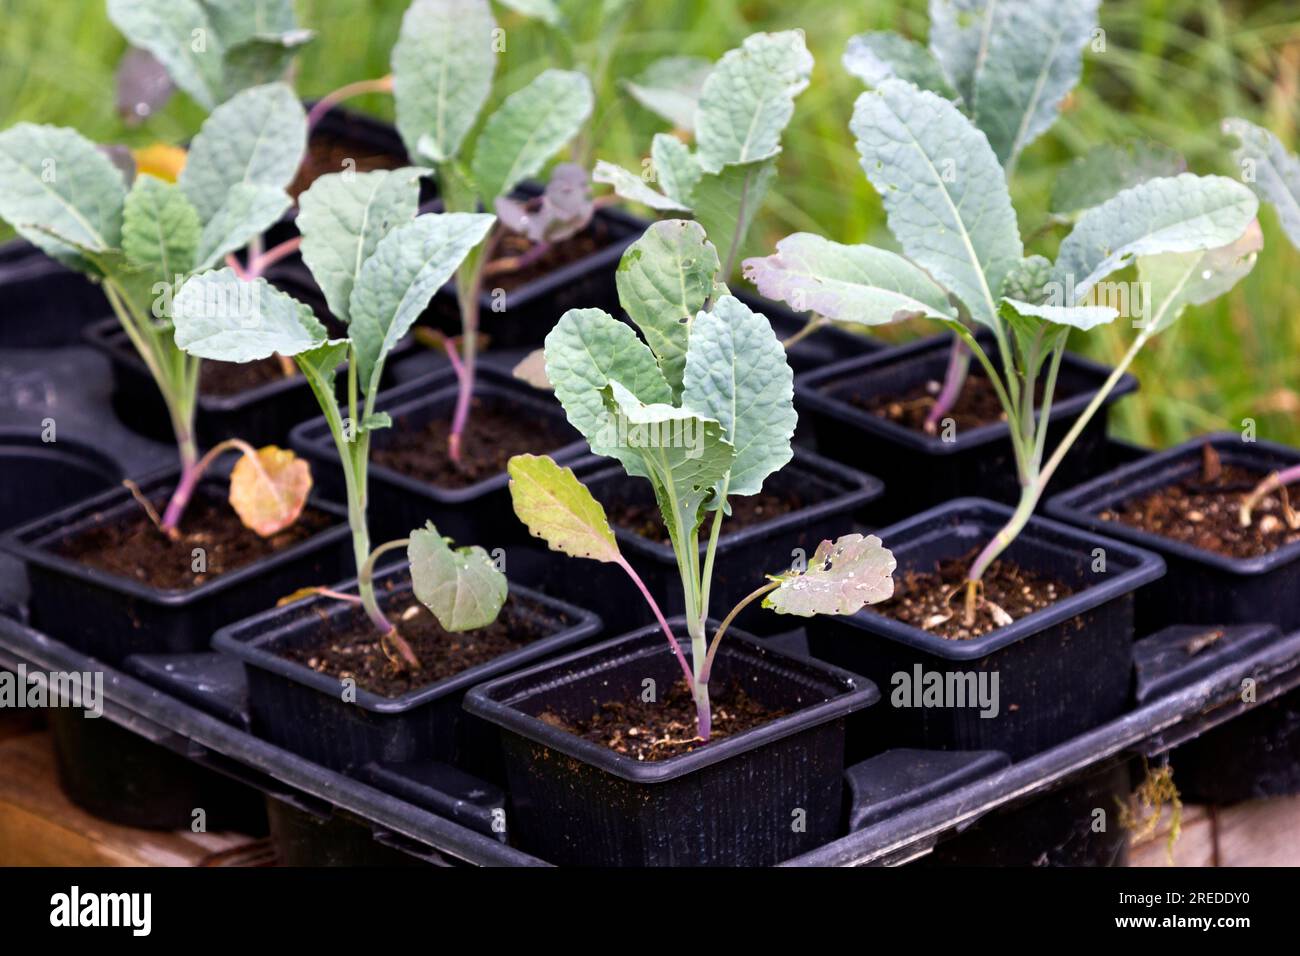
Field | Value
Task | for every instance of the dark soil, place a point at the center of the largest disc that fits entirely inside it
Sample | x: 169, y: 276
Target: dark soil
x: 348, y: 646
x: 574, y: 249
x: 494, y: 435
x: 746, y: 512
x: 657, y: 730
x: 221, y: 379
x: 327, y: 154
x: 133, y: 548
x: 977, y: 405
x: 1204, y: 513
x: 934, y: 601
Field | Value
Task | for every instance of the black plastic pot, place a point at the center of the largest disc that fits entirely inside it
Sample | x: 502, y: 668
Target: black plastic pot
x: 747, y: 800
x: 111, y: 617
x: 480, y: 513
x: 1201, y: 587
x: 823, y: 347
x: 46, y: 304
x: 921, y: 470
x: 1060, y: 671
x: 40, y: 476
x: 305, y: 711
x: 832, y: 496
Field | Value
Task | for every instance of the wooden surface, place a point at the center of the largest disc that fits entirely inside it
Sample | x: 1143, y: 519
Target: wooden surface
x: 1256, y: 833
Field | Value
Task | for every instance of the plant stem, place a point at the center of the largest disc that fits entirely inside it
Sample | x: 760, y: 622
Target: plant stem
x: 953, y: 380
x: 366, y: 585
x: 659, y: 616
x: 1029, y: 495
x: 700, y: 688
x: 330, y: 100
x: 747, y: 600
x: 469, y: 285
x: 1274, y: 482
x: 190, y: 475
x: 813, y: 324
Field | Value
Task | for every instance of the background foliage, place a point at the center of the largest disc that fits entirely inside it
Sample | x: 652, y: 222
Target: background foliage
x: 1171, y: 69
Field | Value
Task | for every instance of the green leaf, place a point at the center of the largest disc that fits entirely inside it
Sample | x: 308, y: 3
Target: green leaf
x: 1032, y: 57
x: 1105, y: 170
x: 959, y: 32
x: 1272, y: 172
x: 544, y: 10
x: 1084, y: 317
x: 57, y: 179
x: 559, y: 509
x: 249, y: 210
x: 860, y: 284
x: 160, y: 229
x: 342, y: 217
x: 261, y: 59
x: 843, y: 577
x: 1028, y: 281
x: 1177, y: 280
x: 318, y: 366
x: 219, y: 316
x: 396, y: 283
x: 587, y: 349
x: 257, y: 138
x: 670, y: 87
x: 442, y: 74
x: 726, y: 204
x: 876, y: 57
x: 1184, y: 213
x: 240, y: 20
x: 664, y: 279
x: 747, y: 100
x: 737, y: 374
x: 180, y: 35
x: 676, y: 167
x: 462, y: 587
x: 633, y: 188
x: 943, y: 191
x: 529, y: 128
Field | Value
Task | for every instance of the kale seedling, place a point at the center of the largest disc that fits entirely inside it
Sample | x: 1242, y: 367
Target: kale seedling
x: 65, y: 194
x: 1193, y: 238
x: 378, y: 264
x: 704, y: 411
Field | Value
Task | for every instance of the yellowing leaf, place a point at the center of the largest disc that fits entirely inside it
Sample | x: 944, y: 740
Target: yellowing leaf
x: 558, y: 508
x: 843, y: 577
x: 532, y: 369
x: 269, y: 490
x: 160, y: 160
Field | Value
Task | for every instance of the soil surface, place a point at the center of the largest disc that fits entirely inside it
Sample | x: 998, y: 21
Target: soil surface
x: 221, y: 379
x: 1204, y: 510
x: 588, y: 242
x: 493, y: 436
x: 134, y: 548
x: 327, y: 154
x: 348, y: 646
x: 977, y: 404
x: 746, y: 511
x: 934, y: 601
x: 657, y: 730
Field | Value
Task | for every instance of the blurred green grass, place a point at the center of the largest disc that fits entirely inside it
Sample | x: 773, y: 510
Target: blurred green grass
x: 1170, y: 70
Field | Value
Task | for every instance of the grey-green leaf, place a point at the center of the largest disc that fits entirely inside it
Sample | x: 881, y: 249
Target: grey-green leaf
x: 1184, y: 213
x: 462, y: 587
x: 726, y: 203
x: 1083, y: 317
x: 396, y: 283
x: 219, y: 316
x: 860, y: 284
x: 737, y: 374
x: 530, y: 127
x: 544, y: 10
x: 959, y: 34
x: 587, y: 349
x: 670, y: 87
x: 1271, y: 171
x: 676, y: 168
x: 876, y: 57
x: 748, y: 99
x: 442, y: 74
x: 342, y: 217
x: 256, y: 137
x: 57, y: 179
x: 261, y: 59
x: 160, y: 229
x: 944, y: 193
x: 843, y: 577
x: 664, y: 279
x: 633, y: 188
x: 1097, y: 175
x: 248, y: 210
x: 181, y: 36
x: 1180, y: 279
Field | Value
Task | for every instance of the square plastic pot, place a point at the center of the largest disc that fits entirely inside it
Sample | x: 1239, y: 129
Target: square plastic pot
x: 46, y: 304
x: 1060, y: 671
x: 1201, y: 587
x: 833, y: 495
x: 41, y: 476
x: 921, y: 470
x: 479, y: 513
x: 823, y: 347
x: 731, y: 802
x: 111, y: 617
x: 306, y: 712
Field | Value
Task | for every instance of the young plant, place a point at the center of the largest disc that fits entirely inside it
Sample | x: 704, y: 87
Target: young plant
x: 1192, y: 237
x: 378, y: 264
x: 704, y: 411
x: 744, y: 106
x: 64, y: 194
x: 211, y: 49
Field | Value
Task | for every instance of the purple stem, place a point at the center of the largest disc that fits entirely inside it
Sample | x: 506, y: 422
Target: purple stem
x: 954, y: 379
x: 663, y: 624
